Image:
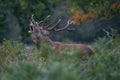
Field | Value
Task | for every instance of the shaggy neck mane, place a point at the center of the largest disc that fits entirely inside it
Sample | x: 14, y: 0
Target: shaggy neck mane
x: 48, y: 41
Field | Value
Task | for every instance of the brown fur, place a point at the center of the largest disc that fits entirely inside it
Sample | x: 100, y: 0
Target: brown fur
x: 64, y: 46
x: 39, y: 35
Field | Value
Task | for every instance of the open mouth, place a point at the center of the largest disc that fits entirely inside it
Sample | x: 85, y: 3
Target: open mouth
x: 31, y: 29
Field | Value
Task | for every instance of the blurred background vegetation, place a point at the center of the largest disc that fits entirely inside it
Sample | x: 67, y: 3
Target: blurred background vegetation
x: 94, y: 20
x: 89, y: 16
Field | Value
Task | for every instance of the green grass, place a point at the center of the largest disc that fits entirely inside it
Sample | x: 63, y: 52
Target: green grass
x: 17, y: 63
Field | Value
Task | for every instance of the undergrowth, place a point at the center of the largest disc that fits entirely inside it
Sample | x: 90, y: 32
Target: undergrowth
x: 18, y: 63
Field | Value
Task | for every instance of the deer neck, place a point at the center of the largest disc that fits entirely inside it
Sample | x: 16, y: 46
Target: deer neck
x: 48, y: 41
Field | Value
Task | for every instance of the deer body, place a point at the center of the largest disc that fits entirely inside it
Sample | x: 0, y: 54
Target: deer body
x: 39, y: 35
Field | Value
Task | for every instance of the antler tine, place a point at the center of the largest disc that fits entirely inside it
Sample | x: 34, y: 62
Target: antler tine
x: 32, y: 19
x: 45, y: 20
x: 52, y: 28
x: 40, y: 22
x: 65, y: 28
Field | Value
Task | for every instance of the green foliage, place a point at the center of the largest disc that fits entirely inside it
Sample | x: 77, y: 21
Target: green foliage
x: 21, y: 71
x: 22, y: 10
x: 17, y: 13
x: 115, y: 42
x: 10, y: 51
x: 43, y: 64
x: 116, y: 39
x: 19, y: 63
x: 102, y: 43
x: 46, y: 50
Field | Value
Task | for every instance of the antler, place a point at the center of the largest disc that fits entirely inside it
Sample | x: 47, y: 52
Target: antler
x: 51, y: 28
x: 69, y: 22
x: 33, y: 21
x: 37, y: 23
x: 64, y: 28
x: 43, y: 25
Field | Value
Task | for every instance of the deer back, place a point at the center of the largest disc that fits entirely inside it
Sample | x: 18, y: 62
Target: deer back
x: 80, y: 47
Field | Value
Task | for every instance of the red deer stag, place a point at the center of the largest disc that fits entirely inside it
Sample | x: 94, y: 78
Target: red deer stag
x: 40, y: 34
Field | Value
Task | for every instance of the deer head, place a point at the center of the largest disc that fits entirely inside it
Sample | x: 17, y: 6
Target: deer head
x: 39, y: 32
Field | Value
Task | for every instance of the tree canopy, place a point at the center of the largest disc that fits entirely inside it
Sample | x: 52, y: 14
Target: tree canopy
x: 15, y: 14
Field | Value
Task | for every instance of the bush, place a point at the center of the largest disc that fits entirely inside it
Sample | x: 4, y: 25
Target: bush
x: 104, y: 64
x: 21, y: 71
x: 25, y: 71
x: 10, y: 51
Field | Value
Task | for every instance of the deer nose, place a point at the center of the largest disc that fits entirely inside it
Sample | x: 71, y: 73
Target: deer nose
x: 29, y: 31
